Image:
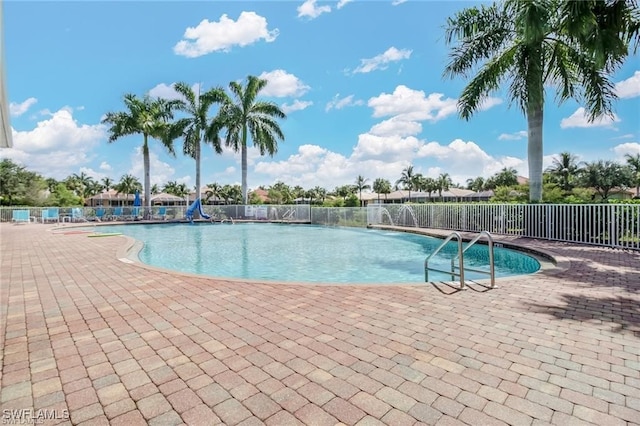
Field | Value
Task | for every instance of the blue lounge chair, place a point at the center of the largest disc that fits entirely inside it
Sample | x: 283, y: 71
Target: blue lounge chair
x: 51, y: 214
x: 21, y: 216
x: 100, y: 214
x: 162, y: 214
x: 118, y: 213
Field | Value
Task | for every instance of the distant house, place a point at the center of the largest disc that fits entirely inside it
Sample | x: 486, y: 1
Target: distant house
x: 261, y: 194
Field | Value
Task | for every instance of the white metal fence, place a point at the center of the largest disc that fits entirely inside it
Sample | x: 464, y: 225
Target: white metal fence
x: 612, y: 225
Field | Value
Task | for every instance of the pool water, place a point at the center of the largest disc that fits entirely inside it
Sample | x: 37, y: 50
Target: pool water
x: 308, y: 253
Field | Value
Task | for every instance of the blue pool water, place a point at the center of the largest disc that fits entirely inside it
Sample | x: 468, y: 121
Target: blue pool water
x: 308, y: 253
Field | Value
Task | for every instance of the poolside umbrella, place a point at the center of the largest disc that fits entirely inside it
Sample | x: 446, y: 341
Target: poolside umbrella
x: 136, y: 200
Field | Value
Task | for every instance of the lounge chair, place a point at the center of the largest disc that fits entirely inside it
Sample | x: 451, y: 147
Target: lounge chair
x: 118, y: 213
x: 77, y: 215
x: 162, y: 214
x: 21, y: 216
x: 100, y: 214
x: 51, y: 214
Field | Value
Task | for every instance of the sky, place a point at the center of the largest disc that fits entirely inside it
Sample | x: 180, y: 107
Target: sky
x: 361, y: 82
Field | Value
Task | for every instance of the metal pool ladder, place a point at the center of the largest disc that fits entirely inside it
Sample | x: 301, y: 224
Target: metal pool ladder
x: 460, y: 256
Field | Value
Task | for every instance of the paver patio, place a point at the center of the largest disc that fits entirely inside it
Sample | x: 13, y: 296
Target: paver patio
x: 107, y: 341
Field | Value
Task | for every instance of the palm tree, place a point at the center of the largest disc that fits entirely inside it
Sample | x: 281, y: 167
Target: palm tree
x: 361, y: 183
x: 529, y: 45
x: 634, y: 163
x: 603, y: 176
x: 563, y: 169
x: 213, y: 190
x: 476, y: 184
x: 320, y: 192
x: 146, y: 116
x: 245, y: 116
x: 381, y: 186
x: 155, y: 189
x: 430, y: 185
x: 107, y: 183
x: 443, y: 182
x: 128, y: 184
x: 192, y: 128
x: 407, y: 179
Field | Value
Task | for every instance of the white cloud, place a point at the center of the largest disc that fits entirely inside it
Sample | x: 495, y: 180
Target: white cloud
x: 17, y: 110
x: 105, y: 166
x: 381, y: 61
x: 513, y: 136
x: 625, y: 136
x: 222, y: 35
x: 339, y: 103
x: 631, y: 148
x: 341, y: 3
x: 310, y: 10
x: 397, y: 2
x: 629, y: 88
x: 489, y: 102
x: 296, y: 105
x: 412, y: 105
x: 94, y: 174
x: 280, y: 84
x: 395, y: 126
x: 160, y: 171
x: 580, y: 119
x: 57, y: 146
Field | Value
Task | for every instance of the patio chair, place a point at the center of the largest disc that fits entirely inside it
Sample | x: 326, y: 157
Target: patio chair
x: 100, y: 213
x: 162, y: 214
x: 51, y: 214
x: 77, y: 215
x: 118, y: 213
x: 21, y: 216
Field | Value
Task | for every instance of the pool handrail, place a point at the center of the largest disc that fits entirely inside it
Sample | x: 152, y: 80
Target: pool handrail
x: 492, y: 269
x: 460, y: 274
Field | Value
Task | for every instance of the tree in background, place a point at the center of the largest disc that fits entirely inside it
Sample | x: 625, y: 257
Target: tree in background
x: 128, y: 185
x: 381, y: 186
x: 443, y: 182
x: 633, y: 161
x: 564, y: 169
x: 407, y: 180
x: 603, y: 176
x: 18, y: 186
x: 526, y: 46
x: 361, y: 183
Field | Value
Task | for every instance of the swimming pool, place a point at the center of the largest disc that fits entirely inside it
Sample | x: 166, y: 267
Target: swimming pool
x: 308, y: 253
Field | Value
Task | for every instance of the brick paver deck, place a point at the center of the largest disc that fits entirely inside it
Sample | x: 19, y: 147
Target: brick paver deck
x: 106, y: 341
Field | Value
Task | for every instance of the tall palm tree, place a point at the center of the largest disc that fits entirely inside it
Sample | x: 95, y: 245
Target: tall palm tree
x: 407, y: 179
x: 361, y: 183
x: 529, y: 45
x: 192, y: 128
x: 563, y: 169
x: 245, y: 117
x: 150, y: 118
x: 634, y: 163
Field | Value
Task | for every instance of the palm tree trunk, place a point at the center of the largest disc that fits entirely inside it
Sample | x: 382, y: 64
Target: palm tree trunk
x: 244, y: 164
x: 534, y: 121
x: 196, y: 214
x: 147, y: 177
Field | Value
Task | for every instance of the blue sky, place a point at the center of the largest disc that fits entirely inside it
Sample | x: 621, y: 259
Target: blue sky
x: 361, y: 82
